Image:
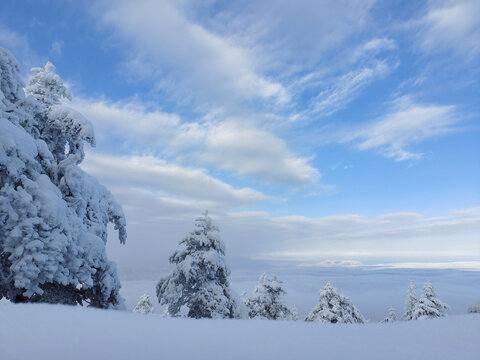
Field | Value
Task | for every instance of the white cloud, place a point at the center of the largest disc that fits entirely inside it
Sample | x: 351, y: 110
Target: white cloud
x: 293, y: 36
x: 388, y: 236
x: 159, y: 223
x: 451, y: 26
x: 236, y: 144
x: 56, y: 48
x: 345, y: 88
x: 258, y: 56
x: 373, y: 47
x: 130, y: 121
x: 333, y: 263
x: 409, y: 123
x: 19, y: 46
x: 167, y: 180
x: 250, y: 151
x: 211, y: 67
x: 460, y: 265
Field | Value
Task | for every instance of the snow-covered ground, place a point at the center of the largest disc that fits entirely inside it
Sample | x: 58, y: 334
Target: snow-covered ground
x: 47, y: 332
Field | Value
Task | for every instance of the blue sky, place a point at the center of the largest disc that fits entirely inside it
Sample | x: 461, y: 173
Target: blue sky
x: 312, y: 130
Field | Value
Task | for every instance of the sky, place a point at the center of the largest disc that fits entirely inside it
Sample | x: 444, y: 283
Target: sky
x: 316, y: 131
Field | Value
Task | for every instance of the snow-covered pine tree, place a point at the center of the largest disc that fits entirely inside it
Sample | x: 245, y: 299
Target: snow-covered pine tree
x: 410, y: 302
x: 53, y: 216
x: 198, y: 287
x: 144, y: 306
x: 294, y: 313
x: 475, y: 308
x: 266, y: 301
x: 391, y: 317
x: 429, y: 306
x: 334, y: 307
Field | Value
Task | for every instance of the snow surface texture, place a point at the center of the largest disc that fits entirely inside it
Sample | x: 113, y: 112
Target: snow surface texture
x: 45, y: 332
x: 53, y: 216
x: 334, y: 307
x: 266, y: 301
x: 198, y: 287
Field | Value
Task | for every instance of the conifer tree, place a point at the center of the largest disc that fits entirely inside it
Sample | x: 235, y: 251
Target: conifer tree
x: 266, y: 301
x: 475, y: 308
x: 198, y: 287
x: 53, y: 216
x: 334, y: 307
x: 391, y: 317
x: 144, y: 306
x: 429, y: 306
x: 410, y: 302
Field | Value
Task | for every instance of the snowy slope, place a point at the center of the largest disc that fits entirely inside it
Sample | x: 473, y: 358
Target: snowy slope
x: 61, y: 332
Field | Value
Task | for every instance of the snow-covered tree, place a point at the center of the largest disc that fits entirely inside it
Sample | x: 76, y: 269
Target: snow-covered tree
x: 266, y: 301
x: 198, y: 287
x: 410, y: 302
x: 53, y: 216
x: 428, y: 306
x: 391, y: 317
x: 475, y: 308
x: 334, y: 307
x: 294, y: 313
x: 144, y: 306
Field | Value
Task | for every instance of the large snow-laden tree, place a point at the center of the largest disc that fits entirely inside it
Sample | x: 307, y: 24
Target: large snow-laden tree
x: 429, y: 306
x: 266, y: 301
x: 53, y: 216
x: 334, y: 307
x: 410, y: 302
x: 198, y: 287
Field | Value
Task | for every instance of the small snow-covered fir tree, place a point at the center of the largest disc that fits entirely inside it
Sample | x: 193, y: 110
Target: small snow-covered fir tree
x: 429, y: 306
x: 294, y: 313
x: 198, y: 287
x: 53, y: 216
x: 410, y: 302
x: 266, y: 301
x: 391, y: 317
x: 144, y: 306
x: 475, y: 308
x: 334, y: 307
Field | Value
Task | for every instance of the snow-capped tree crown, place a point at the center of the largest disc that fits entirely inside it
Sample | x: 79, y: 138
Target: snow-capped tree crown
x: 266, y: 301
x: 46, y: 86
x: 61, y: 125
x: 53, y: 216
x: 410, y: 302
x: 198, y: 287
x: 391, y: 317
x: 144, y: 306
x: 11, y: 85
x: 334, y: 307
x: 429, y: 306
x: 204, y: 238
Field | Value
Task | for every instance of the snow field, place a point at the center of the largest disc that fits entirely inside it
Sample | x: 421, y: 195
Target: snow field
x: 64, y: 332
